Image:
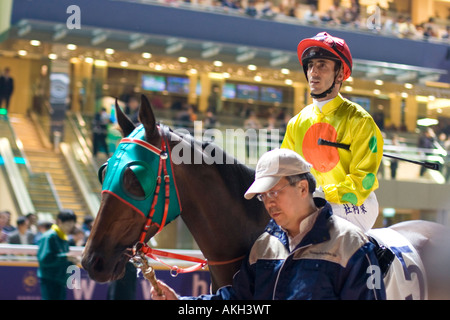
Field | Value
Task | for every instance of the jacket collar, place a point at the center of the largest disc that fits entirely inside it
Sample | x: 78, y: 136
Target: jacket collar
x: 330, y: 106
x: 319, y: 232
x: 59, y: 232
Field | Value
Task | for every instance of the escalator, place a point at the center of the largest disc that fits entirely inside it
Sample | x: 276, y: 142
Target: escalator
x: 43, y: 159
x: 66, y: 171
x: 28, y: 191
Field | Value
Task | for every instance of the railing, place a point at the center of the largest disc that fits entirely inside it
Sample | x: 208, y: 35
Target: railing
x: 78, y: 146
x: 27, y: 253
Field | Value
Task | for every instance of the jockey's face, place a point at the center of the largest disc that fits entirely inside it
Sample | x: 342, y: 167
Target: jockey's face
x: 321, y: 74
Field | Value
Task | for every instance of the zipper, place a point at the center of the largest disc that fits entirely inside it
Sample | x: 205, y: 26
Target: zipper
x: 284, y: 262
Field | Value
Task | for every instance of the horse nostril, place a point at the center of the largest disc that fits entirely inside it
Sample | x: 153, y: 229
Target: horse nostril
x: 98, y: 264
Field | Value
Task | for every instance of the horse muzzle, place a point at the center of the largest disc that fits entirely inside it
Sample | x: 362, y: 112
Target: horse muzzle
x: 104, y: 268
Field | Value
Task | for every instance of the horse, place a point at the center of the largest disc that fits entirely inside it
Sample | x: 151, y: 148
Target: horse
x: 208, y: 195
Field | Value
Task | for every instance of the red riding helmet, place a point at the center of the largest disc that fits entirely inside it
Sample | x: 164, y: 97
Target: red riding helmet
x: 325, y: 46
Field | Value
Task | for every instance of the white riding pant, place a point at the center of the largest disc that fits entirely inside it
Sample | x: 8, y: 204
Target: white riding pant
x: 364, y: 216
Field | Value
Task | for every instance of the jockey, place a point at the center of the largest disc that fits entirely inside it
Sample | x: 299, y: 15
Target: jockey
x: 348, y: 177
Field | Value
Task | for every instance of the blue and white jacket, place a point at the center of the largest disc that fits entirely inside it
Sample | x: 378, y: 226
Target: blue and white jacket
x: 334, y: 260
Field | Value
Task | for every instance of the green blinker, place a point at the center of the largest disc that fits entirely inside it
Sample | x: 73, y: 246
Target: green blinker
x: 144, y: 160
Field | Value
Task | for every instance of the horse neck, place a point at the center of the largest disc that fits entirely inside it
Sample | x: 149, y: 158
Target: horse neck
x: 222, y: 222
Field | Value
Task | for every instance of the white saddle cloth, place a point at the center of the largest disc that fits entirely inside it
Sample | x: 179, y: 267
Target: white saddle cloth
x: 406, y: 279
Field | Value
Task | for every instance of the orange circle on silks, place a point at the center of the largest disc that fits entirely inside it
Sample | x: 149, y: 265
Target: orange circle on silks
x: 323, y: 158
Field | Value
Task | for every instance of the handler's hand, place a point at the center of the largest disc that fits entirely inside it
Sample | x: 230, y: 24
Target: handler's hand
x: 168, y: 292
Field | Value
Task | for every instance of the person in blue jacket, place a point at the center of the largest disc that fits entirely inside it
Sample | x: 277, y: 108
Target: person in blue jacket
x: 305, y: 252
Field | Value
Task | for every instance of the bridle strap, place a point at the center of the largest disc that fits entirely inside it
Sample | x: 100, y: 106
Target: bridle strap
x: 174, y: 270
x: 154, y: 253
x: 221, y: 263
x: 162, y: 168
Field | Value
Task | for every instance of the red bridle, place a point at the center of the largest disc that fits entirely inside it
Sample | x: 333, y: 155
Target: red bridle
x: 142, y: 247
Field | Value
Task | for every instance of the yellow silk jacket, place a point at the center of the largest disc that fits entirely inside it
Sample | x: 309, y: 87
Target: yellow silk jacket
x: 346, y: 176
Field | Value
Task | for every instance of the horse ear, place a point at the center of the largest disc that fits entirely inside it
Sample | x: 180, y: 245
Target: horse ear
x: 147, y: 118
x: 124, y: 122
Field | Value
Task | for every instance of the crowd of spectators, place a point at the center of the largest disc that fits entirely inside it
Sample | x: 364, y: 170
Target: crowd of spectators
x: 28, y: 229
x: 374, y: 19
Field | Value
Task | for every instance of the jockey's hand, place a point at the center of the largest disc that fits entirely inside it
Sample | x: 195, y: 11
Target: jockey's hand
x: 168, y: 292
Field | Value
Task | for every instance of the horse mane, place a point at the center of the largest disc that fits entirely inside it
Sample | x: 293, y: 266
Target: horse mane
x: 237, y: 176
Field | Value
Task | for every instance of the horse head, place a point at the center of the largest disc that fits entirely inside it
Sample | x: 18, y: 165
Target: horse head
x: 129, y: 180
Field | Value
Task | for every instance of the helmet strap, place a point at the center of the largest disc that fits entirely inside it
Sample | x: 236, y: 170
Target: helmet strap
x: 326, y: 92
x: 323, y: 94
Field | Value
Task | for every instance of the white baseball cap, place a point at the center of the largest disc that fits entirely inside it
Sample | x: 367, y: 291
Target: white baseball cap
x: 274, y: 165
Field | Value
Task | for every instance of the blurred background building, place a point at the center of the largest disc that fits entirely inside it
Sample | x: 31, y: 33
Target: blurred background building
x: 235, y: 59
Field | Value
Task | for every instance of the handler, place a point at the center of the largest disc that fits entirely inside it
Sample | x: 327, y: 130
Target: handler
x: 305, y: 252
x: 348, y: 177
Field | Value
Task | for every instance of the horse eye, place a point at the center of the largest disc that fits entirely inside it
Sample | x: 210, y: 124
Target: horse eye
x: 132, y: 184
x: 101, y: 172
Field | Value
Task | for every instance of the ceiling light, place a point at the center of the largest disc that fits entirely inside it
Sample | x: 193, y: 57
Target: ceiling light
x: 218, y: 63
x: 100, y: 63
x: 109, y: 51
x: 123, y: 63
x: 146, y: 55
x: 35, y: 43
x: 427, y: 122
x: 285, y: 71
x: 251, y: 67
x: 289, y: 82
x: 376, y: 92
x: 379, y: 82
x: 22, y: 53
x: 404, y: 95
x: 182, y: 59
x: 53, y: 56
x: 348, y: 88
x: 408, y: 86
x: 257, y: 78
x: 88, y: 60
x: 71, y: 46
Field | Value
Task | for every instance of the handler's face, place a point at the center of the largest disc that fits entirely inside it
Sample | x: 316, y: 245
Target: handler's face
x: 67, y: 226
x: 286, y: 208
